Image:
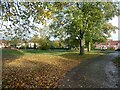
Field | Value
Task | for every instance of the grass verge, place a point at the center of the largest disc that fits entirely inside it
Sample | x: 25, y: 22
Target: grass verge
x: 117, y: 61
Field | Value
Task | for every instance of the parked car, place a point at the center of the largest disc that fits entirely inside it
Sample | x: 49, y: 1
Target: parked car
x: 117, y: 50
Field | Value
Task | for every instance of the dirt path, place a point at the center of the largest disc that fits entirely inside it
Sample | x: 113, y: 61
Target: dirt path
x: 99, y: 72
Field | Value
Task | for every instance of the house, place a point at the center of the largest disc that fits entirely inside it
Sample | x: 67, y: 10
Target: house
x: 4, y: 44
x: 29, y: 45
x: 109, y: 44
x: 1, y: 44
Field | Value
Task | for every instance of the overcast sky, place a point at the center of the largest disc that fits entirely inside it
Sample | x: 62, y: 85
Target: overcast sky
x: 114, y: 21
x: 0, y: 36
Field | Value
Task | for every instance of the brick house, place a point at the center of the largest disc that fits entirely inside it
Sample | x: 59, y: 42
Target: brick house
x: 4, y: 43
x: 110, y: 44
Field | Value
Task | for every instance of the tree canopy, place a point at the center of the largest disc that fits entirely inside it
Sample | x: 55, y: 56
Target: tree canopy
x: 87, y: 21
x: 82, y: 21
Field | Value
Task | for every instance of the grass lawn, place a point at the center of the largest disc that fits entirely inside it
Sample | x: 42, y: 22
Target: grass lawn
x: 37, y: 69
x: 117, y: 61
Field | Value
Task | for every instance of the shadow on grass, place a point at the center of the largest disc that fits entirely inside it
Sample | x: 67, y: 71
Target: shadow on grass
x: 117, y: 61
x: 28, y: 69
x: 65, y: 53
x: 11, y: 54
x: 36, y: 51
x: 76, y: 56
x: 52, y: 52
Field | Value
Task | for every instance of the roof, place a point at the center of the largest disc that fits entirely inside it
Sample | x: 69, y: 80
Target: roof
x: 3, y: 41
x: 114, y: 42
x: 110, y: 42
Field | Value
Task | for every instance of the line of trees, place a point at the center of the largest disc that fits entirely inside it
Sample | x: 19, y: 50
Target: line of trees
x: 76, y: 23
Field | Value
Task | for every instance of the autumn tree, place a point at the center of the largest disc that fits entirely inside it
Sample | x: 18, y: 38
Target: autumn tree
x: 19, y: 19
x: 74, y: 20
x: 80, y: 19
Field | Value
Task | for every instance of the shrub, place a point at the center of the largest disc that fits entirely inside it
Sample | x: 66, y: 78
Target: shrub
x: 44, y: 44
x: 117, y: 61
x: 111, y: 48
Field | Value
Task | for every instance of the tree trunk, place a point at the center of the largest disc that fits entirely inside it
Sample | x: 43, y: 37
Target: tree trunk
x: 89, y: 47
x: 81, y: 47
x: 34, y: 45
